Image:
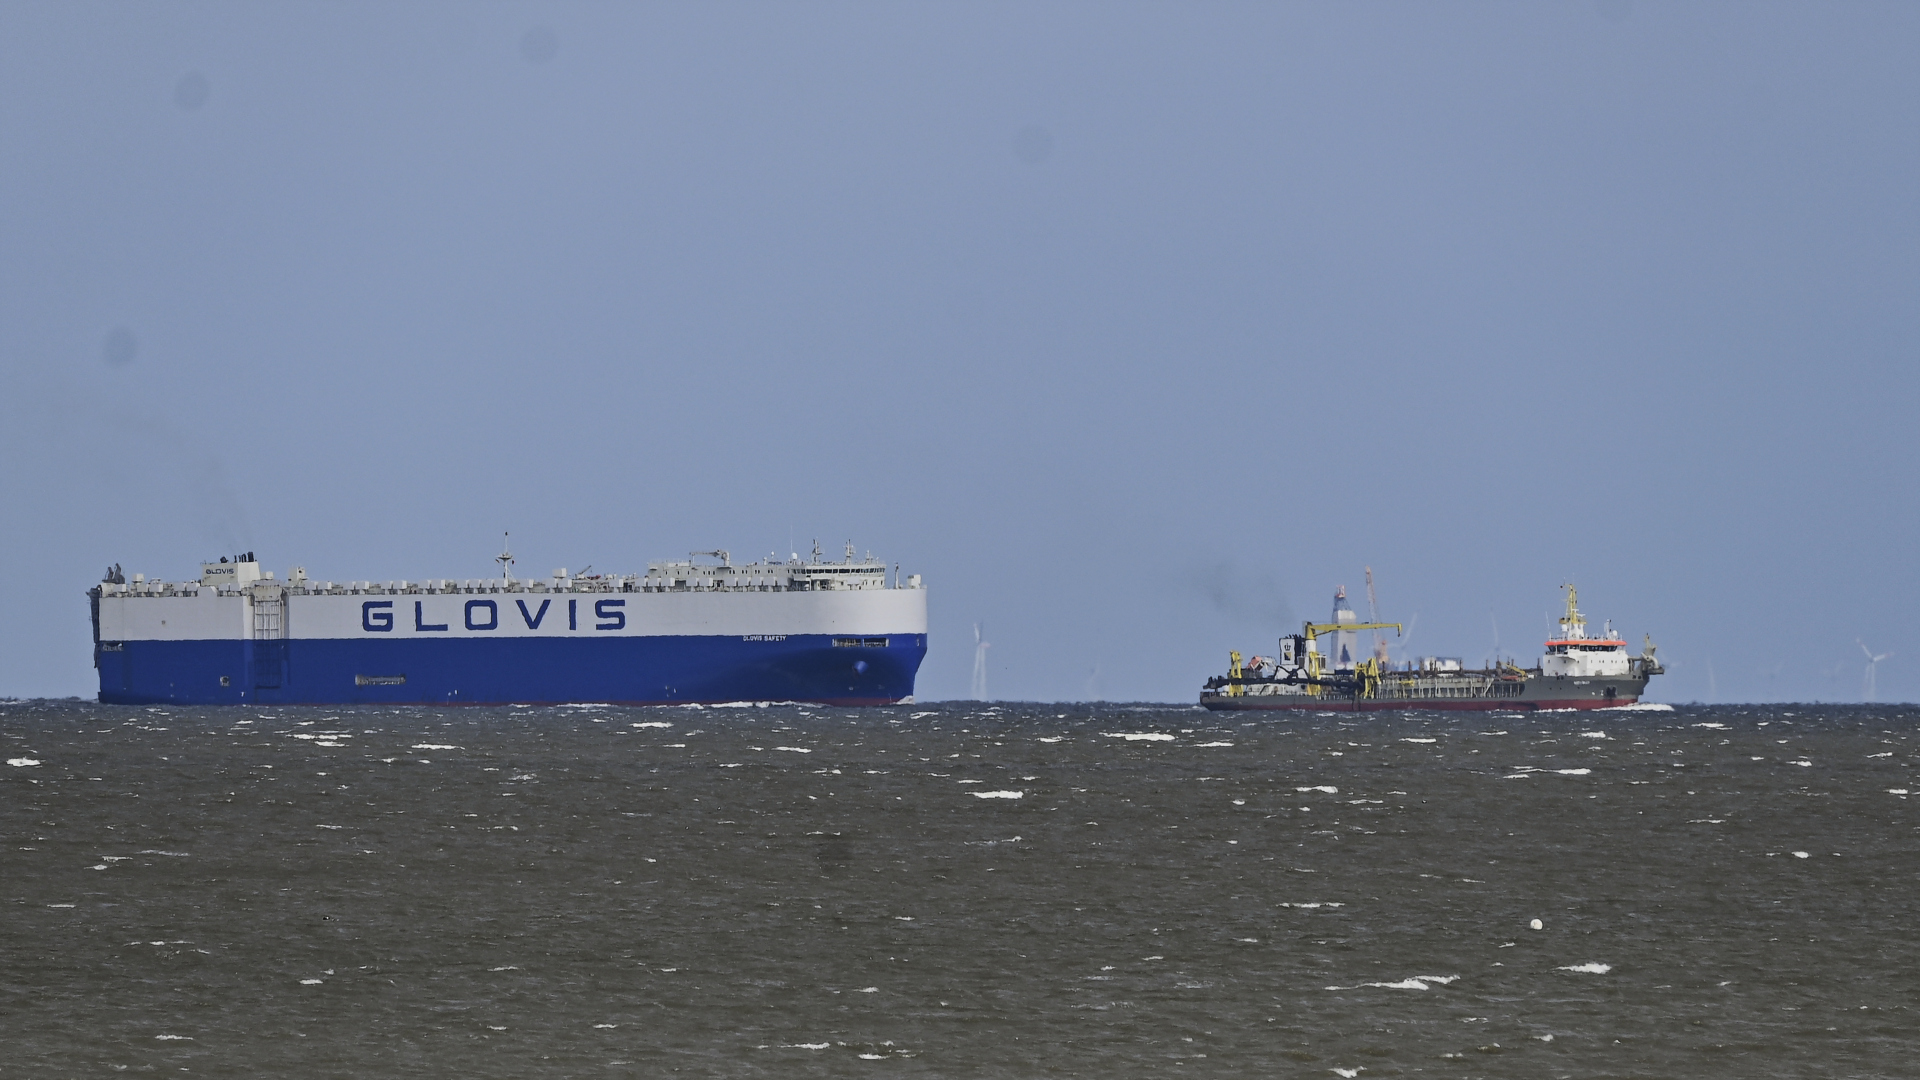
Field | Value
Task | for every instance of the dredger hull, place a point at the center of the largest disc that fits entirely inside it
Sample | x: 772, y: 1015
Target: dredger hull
x: 1533, y: 693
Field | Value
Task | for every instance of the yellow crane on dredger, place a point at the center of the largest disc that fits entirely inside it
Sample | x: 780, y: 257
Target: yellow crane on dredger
x: 1367, y: 671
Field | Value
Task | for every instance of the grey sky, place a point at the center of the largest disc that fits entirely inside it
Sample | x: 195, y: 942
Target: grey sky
x: 1136, y: 329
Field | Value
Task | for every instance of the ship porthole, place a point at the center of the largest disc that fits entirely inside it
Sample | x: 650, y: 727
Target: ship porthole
x: 860, y: 667
x: 225, y: 681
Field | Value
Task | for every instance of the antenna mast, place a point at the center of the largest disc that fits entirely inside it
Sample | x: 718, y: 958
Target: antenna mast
x: 505, y: 558
x: 1573, y: 625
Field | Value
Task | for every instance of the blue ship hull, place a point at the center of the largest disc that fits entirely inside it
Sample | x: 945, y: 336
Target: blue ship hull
x: 503, y: 671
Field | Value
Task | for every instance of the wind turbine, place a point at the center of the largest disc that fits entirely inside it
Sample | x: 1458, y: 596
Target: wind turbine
x: 1867, y: 686
x: 980, y: 647
x: 1412, y: 624
x: 1373, y: 615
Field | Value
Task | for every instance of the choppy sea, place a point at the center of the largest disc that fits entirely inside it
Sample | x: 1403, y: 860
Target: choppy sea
x: 958, y: 890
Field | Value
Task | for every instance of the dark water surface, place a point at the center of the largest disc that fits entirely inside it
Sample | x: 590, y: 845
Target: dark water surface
x: 791, y: 891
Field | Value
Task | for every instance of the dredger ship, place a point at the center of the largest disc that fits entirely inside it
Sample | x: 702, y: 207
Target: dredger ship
x: 1577, y: 671
x: 700, y: 630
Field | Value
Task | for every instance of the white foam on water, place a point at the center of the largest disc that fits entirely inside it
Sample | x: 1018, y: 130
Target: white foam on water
x: 22, y: 762
x: 1420, y: 740
x: 1638, y: 706
x: 1574, y: 772
x: 794, y: 749
x: 1417, y: 982
x: 1328, y: 790
x: 918, y: 715
x: 1590, y: 969
x: 1517, y: 776
x: 1349, y: 1073
x: 805, y: 1046
x: 329, y: 826
x: 168, y: 854
x: 311, y: 982
x: 1896, y: 791
x: 1139, y: 736
x: 606, y: 1025
x: 731, y: 765
x: 1713, y: 725
x: 509, y: 967
x: 868, y: 990
x: 1213, y: 744
x: 1052, y: 738
x: 969, y: 781
x: 998, y: 794
x: 1315, y: 904
x: 59, y: 905
x: 1802, y: 855
x: 653, y: 723
x: 1594, y: 735
x: 434, y: 746
x: 173, y: 1038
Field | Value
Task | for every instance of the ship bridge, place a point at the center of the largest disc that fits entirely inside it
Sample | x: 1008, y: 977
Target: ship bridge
x: 1574, y: 653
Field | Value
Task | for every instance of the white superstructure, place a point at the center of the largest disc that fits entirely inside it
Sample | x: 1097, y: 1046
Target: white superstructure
x: 1574, y: 653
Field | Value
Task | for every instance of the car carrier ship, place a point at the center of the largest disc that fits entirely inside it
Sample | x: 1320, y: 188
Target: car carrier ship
x: 1576, y: 672
x: 696, y: 631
